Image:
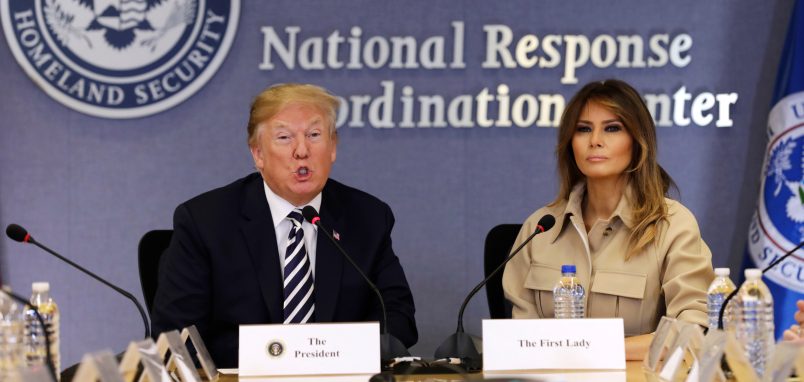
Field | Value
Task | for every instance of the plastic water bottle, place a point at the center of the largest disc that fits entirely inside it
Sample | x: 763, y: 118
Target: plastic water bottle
x: 721, y: 287
x: 12, y: 349
x: 568, y: 295
x: 752, y: 315
x: 36, y: 353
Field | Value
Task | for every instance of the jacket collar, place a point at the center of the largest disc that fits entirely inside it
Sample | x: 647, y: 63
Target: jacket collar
x: 258, y: 232
x: 573, y: 207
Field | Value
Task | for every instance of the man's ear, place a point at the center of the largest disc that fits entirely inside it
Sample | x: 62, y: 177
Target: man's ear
x: 256, y: 154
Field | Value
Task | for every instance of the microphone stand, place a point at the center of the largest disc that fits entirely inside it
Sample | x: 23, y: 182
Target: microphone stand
x: 734, y: 292
x: 390, y: 346
x: 13, y: 230
x: 460, y: 344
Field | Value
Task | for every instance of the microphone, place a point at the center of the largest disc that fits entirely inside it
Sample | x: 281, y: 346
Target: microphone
x: 17, y: 233
x: 460, y: 344
x: 771, y: 265
x: 39, y: 318
x: 390, y: 346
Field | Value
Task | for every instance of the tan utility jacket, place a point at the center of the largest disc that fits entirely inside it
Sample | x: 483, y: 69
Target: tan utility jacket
x: 669, y: 278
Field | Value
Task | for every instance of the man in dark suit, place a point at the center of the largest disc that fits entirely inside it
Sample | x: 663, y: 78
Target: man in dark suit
x: 241, y: 254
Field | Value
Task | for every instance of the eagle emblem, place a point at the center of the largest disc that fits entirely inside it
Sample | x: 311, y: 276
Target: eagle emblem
x: 120, y: 22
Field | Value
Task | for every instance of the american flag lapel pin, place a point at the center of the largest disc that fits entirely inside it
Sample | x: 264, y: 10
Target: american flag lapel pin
x: 336, y: 235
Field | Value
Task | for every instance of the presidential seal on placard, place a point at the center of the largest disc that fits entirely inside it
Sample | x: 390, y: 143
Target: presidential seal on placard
x: 275, y: 348
x: 120, y: 58
x: 778, y: 224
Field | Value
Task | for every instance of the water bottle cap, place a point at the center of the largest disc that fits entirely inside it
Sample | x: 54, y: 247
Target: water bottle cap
x: 753, y: 273
x: 41, y: 286
x: 568, y: 268
x: 722, y: 272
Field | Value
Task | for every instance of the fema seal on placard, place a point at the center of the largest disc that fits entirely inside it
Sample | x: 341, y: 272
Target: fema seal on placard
x: 778, y: 224
x: 120, y: 58
x: 275, y: 348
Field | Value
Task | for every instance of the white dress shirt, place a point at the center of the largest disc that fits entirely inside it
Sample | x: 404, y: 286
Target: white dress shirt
x: 280, y: 208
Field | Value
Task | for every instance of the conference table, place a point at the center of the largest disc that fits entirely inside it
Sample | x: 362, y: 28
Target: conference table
x: 633, y: 372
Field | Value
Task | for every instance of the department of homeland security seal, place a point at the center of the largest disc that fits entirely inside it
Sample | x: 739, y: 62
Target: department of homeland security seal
x: 120, y: 58
x: 778, y: 224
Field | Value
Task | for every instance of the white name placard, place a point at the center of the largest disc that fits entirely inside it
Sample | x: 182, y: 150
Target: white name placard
x: 309, y: 349
x: 550, y: 344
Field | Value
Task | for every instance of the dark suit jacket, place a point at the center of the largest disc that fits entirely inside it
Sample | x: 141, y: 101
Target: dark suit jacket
x: 222, y: 267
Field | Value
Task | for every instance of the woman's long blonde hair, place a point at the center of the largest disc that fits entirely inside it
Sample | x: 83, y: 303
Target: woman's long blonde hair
x: 648, y: 181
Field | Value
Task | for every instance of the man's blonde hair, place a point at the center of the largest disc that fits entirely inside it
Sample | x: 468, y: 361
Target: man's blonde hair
x: 273, y: 99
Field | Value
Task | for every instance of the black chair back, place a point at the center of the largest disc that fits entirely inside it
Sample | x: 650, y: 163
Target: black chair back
x: 150, y: 250
x: 499, y: 242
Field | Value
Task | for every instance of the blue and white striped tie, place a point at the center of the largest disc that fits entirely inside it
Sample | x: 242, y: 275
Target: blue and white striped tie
x: 299, y: 301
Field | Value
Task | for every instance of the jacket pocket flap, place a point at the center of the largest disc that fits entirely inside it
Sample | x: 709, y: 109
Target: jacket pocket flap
x: 620, y: 284
x: 542, y: 277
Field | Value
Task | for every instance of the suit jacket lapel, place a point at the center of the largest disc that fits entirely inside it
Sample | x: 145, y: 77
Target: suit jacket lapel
x: 258, y: 232
x: 328, y: 260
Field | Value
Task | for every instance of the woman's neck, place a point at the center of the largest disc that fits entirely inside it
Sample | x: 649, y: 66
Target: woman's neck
x: 601, y: 199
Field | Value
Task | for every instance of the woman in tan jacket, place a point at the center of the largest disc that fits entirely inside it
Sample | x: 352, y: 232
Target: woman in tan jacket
x: 638, y: 254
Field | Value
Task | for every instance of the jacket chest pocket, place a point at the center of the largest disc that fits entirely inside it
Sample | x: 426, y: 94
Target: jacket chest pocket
x: 540, y: 280
x: 617, y: 294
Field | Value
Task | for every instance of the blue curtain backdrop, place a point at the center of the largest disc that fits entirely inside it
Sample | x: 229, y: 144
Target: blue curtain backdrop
x: 90, y: 186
